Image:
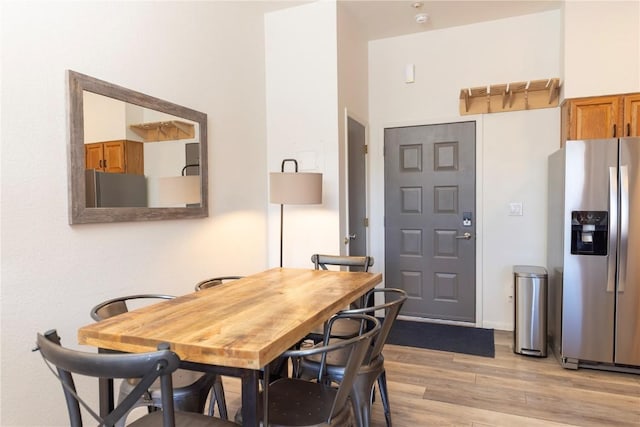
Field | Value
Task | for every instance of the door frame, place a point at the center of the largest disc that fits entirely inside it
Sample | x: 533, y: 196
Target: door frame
x: 344, y: 249
x: 376, y: 215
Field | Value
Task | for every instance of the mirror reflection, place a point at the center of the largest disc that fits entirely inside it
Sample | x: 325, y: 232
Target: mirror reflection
x: 138, y: 157
x: 133, y: 157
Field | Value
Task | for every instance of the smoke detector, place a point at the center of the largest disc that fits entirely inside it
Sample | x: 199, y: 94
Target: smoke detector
x: 421, y: 18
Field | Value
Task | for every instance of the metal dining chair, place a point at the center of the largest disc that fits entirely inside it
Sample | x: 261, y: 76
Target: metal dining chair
x: 353, y: 263
x: 190, y: 388
x: 150, y: 367
x: 215, y: 281
x: 316, y: 402
x: 372, y: 368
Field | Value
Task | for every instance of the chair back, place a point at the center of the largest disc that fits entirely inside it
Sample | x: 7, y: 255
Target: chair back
x: 357, y: 349
x: 116, y: 306
x: 146, y: 366
x: 215, y: 281
x: 394, y: 299
x: 355, y: 263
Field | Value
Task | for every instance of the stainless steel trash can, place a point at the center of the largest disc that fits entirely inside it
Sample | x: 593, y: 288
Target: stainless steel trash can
x: 530, y: 319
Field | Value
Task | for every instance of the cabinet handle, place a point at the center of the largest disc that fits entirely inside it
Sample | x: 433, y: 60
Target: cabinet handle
x: 614, y: 130
x: 628, y: 129
x: 100, y: 164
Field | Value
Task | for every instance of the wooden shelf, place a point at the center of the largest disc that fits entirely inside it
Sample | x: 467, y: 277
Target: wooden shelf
x: 164, y: 131
x: 516, y: 96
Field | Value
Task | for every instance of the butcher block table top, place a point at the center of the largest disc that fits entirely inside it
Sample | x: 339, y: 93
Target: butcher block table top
x: 245, y: 323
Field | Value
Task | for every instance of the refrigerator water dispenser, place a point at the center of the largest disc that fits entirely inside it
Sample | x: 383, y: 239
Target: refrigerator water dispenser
x: 589, y: 232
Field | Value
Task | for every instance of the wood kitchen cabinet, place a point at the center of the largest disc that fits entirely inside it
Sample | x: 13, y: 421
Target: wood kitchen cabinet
x: 600, y: 117
x: 121, y: 156
x: 632, y: 115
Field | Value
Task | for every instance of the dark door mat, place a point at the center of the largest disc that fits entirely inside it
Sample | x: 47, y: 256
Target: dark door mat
x: 435, y: 336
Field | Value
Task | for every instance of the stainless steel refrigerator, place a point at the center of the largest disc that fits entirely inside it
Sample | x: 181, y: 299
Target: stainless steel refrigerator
x: 594, y: 254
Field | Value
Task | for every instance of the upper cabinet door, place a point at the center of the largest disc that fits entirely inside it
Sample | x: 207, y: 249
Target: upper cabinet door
x: 94, y: 156
x: 632, y: 115
x: 115, y: 157
x: 594, y: 118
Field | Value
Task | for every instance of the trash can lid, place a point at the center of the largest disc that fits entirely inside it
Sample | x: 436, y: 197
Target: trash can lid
x: 529, y: 270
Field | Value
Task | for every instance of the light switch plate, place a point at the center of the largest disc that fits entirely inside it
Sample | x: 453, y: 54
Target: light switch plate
x: 515, y: 209
x: 409, y: 73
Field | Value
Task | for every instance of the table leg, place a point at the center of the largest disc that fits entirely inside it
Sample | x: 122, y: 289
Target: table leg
x: 250, y: 378
x: 105, y: 392
x: 250, y: 393
x: 265, y: 395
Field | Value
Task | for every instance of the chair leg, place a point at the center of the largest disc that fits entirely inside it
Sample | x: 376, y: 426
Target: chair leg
x: 217, y: 397
x: 384, y: 396
x: 357, y: 413
x: 361, y: 394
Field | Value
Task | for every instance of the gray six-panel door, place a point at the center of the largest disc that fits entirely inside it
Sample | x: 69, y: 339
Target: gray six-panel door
x: 430, y: 219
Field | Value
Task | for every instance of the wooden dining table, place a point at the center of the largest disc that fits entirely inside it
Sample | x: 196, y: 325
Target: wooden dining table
x: 236, y: 328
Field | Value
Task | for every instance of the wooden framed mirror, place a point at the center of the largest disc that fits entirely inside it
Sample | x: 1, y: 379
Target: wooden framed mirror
x: 133, y: 157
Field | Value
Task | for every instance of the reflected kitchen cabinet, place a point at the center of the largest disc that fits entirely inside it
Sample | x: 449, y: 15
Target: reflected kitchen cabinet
x: 600, y: 117
x: 122, y: 156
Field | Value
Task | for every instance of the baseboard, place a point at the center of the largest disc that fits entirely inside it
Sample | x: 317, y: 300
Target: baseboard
x: 498, y: 326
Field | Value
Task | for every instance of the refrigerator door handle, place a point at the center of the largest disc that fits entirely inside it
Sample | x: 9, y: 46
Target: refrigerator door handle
x: 613, y: 227
x: 624, y: 226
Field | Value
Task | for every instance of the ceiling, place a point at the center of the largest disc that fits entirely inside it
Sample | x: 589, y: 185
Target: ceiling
x: 390, y: 18
x: 382, y: 19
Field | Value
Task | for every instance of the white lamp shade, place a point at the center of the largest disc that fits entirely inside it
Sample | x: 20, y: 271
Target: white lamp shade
x: 295, y: 188
x: 178, y: 190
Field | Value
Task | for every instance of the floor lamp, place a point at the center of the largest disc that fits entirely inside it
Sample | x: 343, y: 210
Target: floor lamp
x: 294, y: 188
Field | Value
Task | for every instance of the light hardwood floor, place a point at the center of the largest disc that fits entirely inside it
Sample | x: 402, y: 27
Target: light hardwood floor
x: 435, y: 388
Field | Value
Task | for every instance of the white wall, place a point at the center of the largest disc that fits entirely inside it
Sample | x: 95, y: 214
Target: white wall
x: 602, y: 47
x: 208, y: 56
x: 107, y: 120
x: 353, y: 97
x: 302, y: 123
x: 511, y: 148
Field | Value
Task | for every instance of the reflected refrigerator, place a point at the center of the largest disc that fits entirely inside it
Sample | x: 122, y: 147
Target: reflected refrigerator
x: 594, y: 254
x: 115, y: 190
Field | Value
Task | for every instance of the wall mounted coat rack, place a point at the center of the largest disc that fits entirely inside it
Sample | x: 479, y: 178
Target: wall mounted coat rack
x: 500, y: 98
x: 164, y: 131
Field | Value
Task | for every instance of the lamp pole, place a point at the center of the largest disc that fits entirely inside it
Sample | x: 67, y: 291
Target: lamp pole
x: 295, y: 162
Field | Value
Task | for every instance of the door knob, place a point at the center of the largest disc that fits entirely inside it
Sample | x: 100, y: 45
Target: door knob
x: 350, y: 237
x: 465, y: 236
